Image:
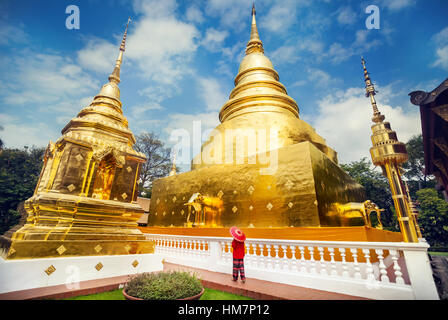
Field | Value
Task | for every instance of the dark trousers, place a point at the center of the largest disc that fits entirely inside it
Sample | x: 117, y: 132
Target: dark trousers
x: 238, y: 267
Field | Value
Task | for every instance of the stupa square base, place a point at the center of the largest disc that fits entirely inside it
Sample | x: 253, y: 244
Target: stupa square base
x: 27, y: 274
x: 305, y: 190
x: 27, y: 249
x: 291, y: 233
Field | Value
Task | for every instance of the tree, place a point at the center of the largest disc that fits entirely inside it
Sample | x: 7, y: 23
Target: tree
x: 376, y: 187
x: 19, y: 172
x: 433, y: 217
x: 414, y: 168
x: 158, y: 162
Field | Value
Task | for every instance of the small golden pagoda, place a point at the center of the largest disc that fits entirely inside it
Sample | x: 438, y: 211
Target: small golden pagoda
x: 85, y: 199
x: 265, y: 170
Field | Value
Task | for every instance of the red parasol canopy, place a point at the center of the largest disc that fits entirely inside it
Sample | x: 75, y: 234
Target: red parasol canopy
x: 237, y: 234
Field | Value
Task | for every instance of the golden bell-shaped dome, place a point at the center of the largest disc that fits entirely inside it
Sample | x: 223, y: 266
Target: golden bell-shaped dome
x: 259, y: 102
x: 110, y: 90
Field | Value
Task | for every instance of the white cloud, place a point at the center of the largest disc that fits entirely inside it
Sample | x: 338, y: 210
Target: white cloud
x: 442, y: 58
x: 344, y: 120
x: 46, y: 78
x: 98, y: 55
x: 441, y: 41
x: 320, y: 77
x: 346, y: 16
x: 441, y: 37
x: 281, y: 16
x: 214, y: 39
x: 12, y: 34
x: 396, y: 5
x: 232, y: 14
x: 193, y: 14
x: 212, y: 94
x: 17, y: 134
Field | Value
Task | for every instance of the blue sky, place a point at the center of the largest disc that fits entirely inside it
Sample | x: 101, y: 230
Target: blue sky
x: 182, y: 56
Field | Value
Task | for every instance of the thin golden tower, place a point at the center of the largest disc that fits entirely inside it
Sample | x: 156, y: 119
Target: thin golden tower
x: 389, y: 153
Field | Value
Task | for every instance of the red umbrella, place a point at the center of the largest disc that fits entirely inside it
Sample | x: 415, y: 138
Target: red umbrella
x: 237, y: 234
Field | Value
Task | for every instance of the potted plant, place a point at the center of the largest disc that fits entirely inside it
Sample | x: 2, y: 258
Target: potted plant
x: 174, y: 285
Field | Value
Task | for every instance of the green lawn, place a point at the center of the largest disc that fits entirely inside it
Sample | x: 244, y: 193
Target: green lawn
x: 209, y: 294
x: 438, y: 253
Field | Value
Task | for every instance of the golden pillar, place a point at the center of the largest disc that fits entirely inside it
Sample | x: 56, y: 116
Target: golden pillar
x: 388, y: 153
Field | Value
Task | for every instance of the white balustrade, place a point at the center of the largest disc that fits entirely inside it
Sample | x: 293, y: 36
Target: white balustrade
x: 377, y: 270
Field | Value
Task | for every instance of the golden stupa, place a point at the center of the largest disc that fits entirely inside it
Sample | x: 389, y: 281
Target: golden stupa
x: 265, y: 170
x: 85, y: 199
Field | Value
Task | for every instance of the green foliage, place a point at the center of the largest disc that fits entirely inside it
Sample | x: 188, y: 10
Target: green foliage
x: 19, y: 172
x: 433, y: 218
x: 414, y: 168
x: 376, y: 187
x: 163, y: 286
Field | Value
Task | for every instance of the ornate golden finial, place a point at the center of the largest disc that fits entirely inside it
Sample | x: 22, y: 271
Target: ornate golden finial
x: 370, y: 92
x: 115, y: 76
x: 254, y: 44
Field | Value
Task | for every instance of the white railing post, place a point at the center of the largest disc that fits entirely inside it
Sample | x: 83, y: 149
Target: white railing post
x: 420, y: 274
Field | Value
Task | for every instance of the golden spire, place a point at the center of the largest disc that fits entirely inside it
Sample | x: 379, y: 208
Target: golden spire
x: 370, y: 92
x: 115, y: 76
x: 254, y: 44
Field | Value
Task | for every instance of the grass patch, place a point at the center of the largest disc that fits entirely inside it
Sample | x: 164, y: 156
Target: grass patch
x: 438, y: 253
x: 209, y: 294
x: 108, y: 295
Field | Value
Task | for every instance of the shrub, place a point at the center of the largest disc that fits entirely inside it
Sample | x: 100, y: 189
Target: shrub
x: 163, y: 286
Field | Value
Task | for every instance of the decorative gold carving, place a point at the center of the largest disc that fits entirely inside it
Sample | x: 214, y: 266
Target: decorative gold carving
x: 124, y: 195
x: 50, y: 270
x: 269, y: 206
x: 127, y: 248
x: 289, y: 184
x: 234, y: 209
x: 11, y: 252
x: 251, y: 208
x: 135, y: 263
x: 99, y: 266
x: 71, y: 187
x: 290, y: 204
x: 129, y: 169
x: 250, y: 189
x: 174, y: 199
x: 61, y: 249
x: 220, y: 194
x: 79, y: 157
x: 98, y: 248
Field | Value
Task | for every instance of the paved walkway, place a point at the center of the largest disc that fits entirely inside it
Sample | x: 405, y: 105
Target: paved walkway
x: 259, y: 289
x: 61, y: 291
x: 254, y: 288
